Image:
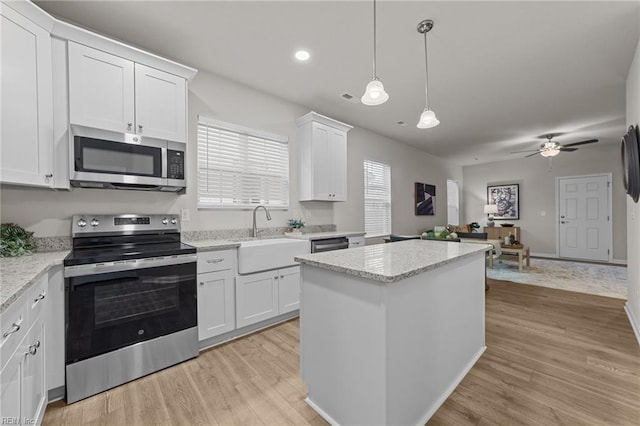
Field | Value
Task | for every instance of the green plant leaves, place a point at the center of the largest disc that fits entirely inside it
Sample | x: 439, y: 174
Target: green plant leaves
x: 15, y: 241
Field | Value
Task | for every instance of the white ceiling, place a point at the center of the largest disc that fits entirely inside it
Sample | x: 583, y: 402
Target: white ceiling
x: 501, y: 73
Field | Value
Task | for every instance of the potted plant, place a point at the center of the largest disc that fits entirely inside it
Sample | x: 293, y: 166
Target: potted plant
x: 296, y: 225
x: 15, y: 241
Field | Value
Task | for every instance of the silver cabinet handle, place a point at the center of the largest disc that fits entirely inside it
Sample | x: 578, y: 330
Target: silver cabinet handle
x: 39, y: 298
x: 215, y: 260
x: 281, y: 276
x: 14, y: 328
x: 33, y: 349
x: 129, y: 124
x: 201, y: 282
x: 48, y: 175
x: 140, y: 126
x: 275, y: 278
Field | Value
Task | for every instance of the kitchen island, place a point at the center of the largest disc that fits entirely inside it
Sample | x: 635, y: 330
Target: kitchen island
x: 388, y: 331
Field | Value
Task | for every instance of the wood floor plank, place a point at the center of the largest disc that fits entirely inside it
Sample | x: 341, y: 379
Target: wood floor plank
x: 553, y: 358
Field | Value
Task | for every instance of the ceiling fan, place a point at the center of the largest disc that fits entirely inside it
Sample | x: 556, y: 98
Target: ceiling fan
x: 551, y: 148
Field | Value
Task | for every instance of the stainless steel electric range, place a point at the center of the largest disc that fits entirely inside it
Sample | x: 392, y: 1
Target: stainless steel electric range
x: 130, y: 300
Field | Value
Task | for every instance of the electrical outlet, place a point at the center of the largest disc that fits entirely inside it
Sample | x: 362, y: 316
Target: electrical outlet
x: 184, y: 215
x: 543, y: 213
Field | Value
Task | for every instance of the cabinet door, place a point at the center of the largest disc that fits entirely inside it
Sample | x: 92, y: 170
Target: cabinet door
x: 101, y: 89
x: 338, y: 162
x: 33, y: 383
x: 161, y: 104
x: 11, y: 387
x: 216, y: 304
x: 289, y: 290
x: 26, y: 97
x: 256, y: 297
x: 321, y: 157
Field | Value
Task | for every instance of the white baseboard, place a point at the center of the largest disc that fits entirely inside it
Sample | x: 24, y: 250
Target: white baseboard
x: 634, y: 322
x: 555, y: 256
x: 544, y: 255
x: 321, y: 412
x: 432, y: 410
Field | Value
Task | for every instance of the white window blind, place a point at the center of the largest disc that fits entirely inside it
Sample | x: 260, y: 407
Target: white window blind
x: 377, y: 198
x: 240, y: 167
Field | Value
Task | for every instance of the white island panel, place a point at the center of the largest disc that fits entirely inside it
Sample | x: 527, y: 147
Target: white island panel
x: 387, y: 344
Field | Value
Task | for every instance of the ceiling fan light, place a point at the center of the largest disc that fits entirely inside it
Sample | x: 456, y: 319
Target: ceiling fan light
x: 427, y: 119
x: 550, y: 152
x: 374, y: 94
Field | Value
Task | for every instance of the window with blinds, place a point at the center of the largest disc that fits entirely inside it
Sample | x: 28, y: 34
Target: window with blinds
x: 377, y: 198
x: 240, y: 167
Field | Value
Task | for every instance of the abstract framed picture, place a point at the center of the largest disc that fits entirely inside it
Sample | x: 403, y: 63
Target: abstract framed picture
x: 507, y: 198
x: 425, y: 199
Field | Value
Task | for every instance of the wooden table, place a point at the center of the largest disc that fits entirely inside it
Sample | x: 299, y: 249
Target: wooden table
x: 522, y: 252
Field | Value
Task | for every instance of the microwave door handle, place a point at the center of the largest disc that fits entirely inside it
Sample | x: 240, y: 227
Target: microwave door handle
x: 164, y: 162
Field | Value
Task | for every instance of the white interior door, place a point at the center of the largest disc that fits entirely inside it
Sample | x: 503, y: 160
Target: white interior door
x: 583, y: 214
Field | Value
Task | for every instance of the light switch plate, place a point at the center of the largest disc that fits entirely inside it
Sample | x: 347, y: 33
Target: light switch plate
x: 185, y: 215
x: 543, y: 213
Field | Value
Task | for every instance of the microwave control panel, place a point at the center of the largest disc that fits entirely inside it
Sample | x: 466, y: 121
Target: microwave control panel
x: 175, y: 164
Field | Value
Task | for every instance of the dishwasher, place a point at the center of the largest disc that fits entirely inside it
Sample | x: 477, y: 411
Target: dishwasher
x: 329, y: 244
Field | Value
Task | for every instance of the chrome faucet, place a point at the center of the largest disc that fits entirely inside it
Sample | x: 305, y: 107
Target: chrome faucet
x: 255, y: 227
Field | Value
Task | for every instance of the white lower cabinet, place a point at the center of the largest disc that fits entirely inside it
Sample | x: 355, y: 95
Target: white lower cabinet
x: 216, y: 293
x: 23, y: 395
x: 267, y: 294
x: 216, y: 303
x: 289, y: 290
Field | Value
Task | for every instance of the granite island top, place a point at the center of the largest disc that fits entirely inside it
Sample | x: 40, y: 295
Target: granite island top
x: 393, y: 262
x: 322, y: 235
x: 17, y: 274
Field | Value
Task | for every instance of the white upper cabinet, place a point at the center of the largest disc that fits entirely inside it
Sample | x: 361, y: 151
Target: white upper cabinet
x: 26, y: 127
x: 101, y: 89
x: 161, y: 104
x: 112, y: 93
x: 322, y: 158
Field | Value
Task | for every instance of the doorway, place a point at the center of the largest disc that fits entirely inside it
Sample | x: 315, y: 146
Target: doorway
x: 584, y: 217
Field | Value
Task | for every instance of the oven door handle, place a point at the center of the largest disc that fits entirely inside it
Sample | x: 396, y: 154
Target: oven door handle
x: 127, y: 265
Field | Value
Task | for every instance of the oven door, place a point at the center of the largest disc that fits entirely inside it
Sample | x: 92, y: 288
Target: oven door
x: 113, y: 309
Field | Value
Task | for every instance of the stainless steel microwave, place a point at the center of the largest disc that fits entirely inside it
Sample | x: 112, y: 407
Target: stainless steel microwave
x: 105, y: 159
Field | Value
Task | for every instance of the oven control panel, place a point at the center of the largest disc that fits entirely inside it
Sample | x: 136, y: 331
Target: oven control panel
x: 124, y: 224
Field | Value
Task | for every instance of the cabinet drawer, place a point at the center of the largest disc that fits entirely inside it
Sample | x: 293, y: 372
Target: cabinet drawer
x: 36, y: 297
x: 14, y: 328
x: 211, y: 261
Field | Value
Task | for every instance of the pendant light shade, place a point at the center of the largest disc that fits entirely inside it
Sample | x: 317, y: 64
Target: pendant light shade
x: 374, y: 93
x: 427, y: 118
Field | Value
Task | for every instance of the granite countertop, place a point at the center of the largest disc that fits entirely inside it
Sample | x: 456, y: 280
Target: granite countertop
x: 211, y: 245
x: 393, y: 262
x: 322, y: 235
x: 17, y: 274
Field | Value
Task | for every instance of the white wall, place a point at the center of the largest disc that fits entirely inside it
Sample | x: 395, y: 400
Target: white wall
x: 538, y: 192
x: 48, y: 212
x: 408, y: 166
x: 633, y: 209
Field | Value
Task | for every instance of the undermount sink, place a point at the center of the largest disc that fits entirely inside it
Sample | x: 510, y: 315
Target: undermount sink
x: 262, y: 255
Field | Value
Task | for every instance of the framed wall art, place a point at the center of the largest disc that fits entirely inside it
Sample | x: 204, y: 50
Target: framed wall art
x: 425, y: 199
x: 507, y: 198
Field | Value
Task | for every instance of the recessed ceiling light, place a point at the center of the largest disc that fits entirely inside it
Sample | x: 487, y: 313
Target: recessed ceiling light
x: 302, y: 55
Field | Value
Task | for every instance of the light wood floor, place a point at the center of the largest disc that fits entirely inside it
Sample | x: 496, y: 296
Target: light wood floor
x: 553, y: 358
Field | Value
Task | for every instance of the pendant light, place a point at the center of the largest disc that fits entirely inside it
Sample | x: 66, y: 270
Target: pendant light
x: 374, y: 94
x: 428, y: 118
